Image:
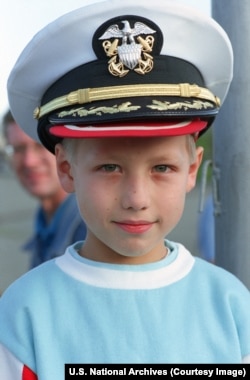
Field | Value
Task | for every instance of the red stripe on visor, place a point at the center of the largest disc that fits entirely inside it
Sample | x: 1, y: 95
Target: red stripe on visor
x: 171, y: 128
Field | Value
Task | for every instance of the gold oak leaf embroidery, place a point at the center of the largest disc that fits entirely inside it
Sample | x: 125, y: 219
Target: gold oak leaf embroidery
x: 124, y: 107
x: 163, y: 106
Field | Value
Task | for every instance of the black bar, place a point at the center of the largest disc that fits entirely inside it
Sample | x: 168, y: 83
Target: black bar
x: 210, y: 371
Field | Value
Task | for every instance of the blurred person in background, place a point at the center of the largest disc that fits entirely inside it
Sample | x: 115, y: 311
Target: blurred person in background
x: 57, y: 222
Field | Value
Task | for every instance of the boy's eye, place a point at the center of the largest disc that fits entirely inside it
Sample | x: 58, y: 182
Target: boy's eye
x: 110, y: 167
x: 161, y: 168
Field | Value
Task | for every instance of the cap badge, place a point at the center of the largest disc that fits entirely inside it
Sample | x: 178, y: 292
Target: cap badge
x: 128, y: 44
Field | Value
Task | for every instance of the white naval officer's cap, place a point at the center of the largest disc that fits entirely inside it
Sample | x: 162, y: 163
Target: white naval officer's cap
x: 122, y: 68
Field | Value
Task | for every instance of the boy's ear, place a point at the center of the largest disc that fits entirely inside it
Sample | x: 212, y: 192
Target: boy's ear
x: 193, y: 169
x: 64, y: 169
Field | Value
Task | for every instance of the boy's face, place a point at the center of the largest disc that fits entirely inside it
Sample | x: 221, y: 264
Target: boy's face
x: 131, y: 193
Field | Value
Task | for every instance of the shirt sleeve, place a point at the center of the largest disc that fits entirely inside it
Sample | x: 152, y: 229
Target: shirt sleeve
x: 12, y: 368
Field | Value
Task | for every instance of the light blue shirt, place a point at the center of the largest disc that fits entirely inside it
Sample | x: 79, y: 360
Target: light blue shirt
x: 73, y: 310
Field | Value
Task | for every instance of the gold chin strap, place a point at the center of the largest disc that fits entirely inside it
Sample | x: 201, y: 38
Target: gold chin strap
x: 88, y: 95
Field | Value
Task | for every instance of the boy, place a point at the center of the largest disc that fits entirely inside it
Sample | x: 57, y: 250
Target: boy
x: 122, y: 116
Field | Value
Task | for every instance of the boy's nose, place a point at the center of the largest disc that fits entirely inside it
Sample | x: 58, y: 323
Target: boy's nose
x: 135, y: 194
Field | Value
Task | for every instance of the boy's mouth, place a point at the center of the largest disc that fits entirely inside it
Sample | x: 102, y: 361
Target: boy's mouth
x: 136, y: 227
